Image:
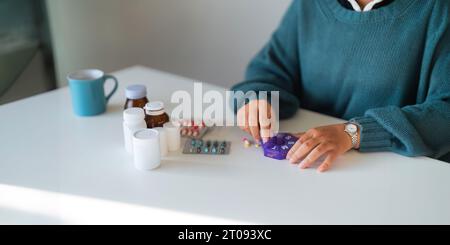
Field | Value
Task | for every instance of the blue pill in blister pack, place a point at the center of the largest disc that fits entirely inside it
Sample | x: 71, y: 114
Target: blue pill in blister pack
x: 202, y: 147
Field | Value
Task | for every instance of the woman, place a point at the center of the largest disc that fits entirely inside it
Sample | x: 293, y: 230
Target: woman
x: 382, y: 65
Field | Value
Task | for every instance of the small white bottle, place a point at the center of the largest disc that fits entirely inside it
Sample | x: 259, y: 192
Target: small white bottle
x: 133, y: 120
x: 173, y: 136
x: 147, y: 152
x: 163, y: 144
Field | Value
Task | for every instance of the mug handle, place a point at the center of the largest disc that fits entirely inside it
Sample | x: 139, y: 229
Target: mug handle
x: 116, y: 86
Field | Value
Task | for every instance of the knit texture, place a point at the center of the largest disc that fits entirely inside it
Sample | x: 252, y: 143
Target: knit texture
x: 387, y: 69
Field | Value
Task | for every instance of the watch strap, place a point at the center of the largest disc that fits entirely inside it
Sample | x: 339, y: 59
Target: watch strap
x: 353, y: 136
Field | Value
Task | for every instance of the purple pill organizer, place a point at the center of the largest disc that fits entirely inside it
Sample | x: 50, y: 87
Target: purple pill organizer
x: 278, y: 147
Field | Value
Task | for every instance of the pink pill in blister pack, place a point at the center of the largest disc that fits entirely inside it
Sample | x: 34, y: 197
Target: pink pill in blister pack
x: 193, y: 129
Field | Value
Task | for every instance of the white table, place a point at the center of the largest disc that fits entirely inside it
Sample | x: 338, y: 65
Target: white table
x: 56, y: 168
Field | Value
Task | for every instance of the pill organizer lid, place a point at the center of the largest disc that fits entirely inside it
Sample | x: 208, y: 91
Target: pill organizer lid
x: 154, y: 106
x: 133, y: 115
x: 135, y: 92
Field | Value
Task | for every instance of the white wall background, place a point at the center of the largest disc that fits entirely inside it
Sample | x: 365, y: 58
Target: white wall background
x: 207, y: 40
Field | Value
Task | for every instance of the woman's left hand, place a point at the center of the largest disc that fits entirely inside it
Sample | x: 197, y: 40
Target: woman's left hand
x: 329, y: 142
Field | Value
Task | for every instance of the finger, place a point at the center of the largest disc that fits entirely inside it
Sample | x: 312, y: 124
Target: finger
x: 274, y: 123
x: 241, y: 117
x: 315, y: 154
x: 305, y: 137
x: 299, y: 135
x: 253, y: 120
x: 297, y: 145
x: 304, y: 150
x: 264, y: 117
x: 265, y: 134
x: 326, y: 165
x: 254, y: 131
x: 247, y: 130
x: 293, y: 150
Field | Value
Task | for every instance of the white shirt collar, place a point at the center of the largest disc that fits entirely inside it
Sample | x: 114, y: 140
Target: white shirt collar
x: 368, y: 7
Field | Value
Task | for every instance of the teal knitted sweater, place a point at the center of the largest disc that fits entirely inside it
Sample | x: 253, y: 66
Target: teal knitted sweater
x: 388, y: 69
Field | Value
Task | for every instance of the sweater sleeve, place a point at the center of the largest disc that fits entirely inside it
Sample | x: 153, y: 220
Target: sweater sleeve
x: 416, y: 130
x: 276, y: 66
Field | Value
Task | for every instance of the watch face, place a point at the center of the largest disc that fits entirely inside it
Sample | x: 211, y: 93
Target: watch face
x: 351, y: 128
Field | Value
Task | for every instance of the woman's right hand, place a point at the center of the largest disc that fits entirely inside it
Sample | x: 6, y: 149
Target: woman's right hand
x: 255, y: 119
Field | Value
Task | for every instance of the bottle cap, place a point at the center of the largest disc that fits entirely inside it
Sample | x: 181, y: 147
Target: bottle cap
x: 154, y: 106
x: 133, y: 115
x: 135, y: 92
x: 146, y: 135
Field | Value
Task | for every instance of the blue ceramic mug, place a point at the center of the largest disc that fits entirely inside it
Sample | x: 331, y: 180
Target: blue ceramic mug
x: 88, y: 93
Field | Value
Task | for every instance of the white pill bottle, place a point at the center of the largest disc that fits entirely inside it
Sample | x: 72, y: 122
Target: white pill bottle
x: 147, y: 152
x: 173, y: 136
x: 133, y: 121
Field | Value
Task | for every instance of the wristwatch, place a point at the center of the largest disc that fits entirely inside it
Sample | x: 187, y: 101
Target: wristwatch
x: 351, y: 129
